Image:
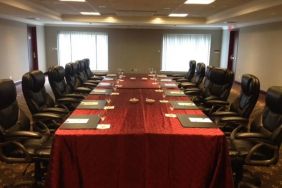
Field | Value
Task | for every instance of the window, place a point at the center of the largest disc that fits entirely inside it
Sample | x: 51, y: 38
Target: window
x: 73, y: 46
x: 179, y: 49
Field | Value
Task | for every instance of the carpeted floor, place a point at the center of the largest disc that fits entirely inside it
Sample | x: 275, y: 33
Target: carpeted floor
x: 271, y: 176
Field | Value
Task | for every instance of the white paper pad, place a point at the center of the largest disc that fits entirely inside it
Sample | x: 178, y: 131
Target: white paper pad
x: 170, y: 115
x: 109, y: 107
x: 165, y: 80
x: 100, y: 90
x: 76, y: 120
x: 132, y: 78
x: 144, y: 78
x: 159, y: 90
x: 186, y: 104
x: 200, y: 120
x: 104, y: 84
x: 107, y: 78
x: 154, y: 83
x: 163, y: 101
x: 114, y: 93
x: 162, y: 75
x: 172, y: 85
x: 89, y: 103
x: 176, y: 92
x: 103, y: 126
x: 151, y: 75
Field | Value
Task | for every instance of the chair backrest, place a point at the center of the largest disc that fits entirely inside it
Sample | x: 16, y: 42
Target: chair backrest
x: 246, y: 101
x: 199, y: 73
x: 71, y: 78
x: 11, y: 117
x: 87, y: 69
x: 34, y: 91
x: 82, y: 76
x: 56, y: 77
x: 218, y: 83
x: 191, y: 71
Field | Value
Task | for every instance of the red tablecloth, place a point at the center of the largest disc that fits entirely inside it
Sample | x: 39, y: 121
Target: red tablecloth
x: 143, y: 148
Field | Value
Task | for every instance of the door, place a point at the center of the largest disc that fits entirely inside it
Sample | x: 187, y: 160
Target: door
x: 32, y: 48
x: 233, y: 50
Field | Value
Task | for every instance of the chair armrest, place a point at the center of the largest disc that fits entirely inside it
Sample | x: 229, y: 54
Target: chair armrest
x: 83, y: 90
x: 96, y: 78
x: 88, y: 84
x: 93, y: 81
x: 237, y: 130
x: 217, y: 102
x: 66, y: 100
x: 182, y: 80
x: 224, y: 114
x: 209, y: 98
x: 187, y: 84
x: 74, y: 95
x: 55, y: 110
x: 16, y: 145
x: 236, y: 119
x: 192, y: 91
x: 250, y: 135
x: 42, y: 116
x: 23, y: 134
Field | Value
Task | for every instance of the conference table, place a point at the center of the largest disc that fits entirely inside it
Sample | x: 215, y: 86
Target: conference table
x: 143, y: 148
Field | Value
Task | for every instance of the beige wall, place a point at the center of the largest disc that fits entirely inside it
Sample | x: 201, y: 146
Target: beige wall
x: 130, y: 48
x: 13, y: 49
x: 260, y: 53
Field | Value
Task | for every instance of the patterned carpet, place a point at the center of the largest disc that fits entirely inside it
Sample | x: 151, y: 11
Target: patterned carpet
x: 271, y: 176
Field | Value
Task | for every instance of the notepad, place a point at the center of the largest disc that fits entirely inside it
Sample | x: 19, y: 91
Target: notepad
x: 166, y: 80
x: 132, y: 78
x: 144, y: 78
x: 183, y: 105
x: 161, y: 76
x: 109, y: 107
x: 194, y: 121
x: 103, y: 126
x: 186, y: 104
x: 163, y: 101
x: 114, y: 93
x: 200, y: 120
x: 174, y: 93
x: 76, y: 120
x: 170, y: 85
x: 89, y: 103
x: 101, y: 91
x: 104, y: 84
x: 171, y: 115
x: 81, y: 122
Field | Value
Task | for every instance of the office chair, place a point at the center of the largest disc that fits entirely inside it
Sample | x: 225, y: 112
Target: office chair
x: 260, y: 146
x: 18, y: 143
x: 89, y: 73
x: 56, y: 77
x: 38, y: 100
x: 227, y: 116
x: 217, y: 85
x: 82, y: 75
x: 189, y: 75
x: 197, y: 79
x: 72, y: 80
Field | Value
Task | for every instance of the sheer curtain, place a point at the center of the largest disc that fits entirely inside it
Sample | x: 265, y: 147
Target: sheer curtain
x: 179, y: 49
x: 74, y: 46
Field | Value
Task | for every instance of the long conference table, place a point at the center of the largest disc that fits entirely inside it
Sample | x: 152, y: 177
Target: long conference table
x: 143, y: 148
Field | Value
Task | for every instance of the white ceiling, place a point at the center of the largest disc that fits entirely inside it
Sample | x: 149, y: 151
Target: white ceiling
x: 146, y: 13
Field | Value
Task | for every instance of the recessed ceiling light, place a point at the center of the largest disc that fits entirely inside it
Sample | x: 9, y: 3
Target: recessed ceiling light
x: 90, y: 13
x: 205, y: 2
x: 73, y: 0
x: 177, y: 15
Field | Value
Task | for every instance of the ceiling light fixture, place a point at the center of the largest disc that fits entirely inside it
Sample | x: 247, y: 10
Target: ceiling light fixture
x: 177, y: 15
x: 90, y: 13
x: 73, y: 0
x: 204, y: 2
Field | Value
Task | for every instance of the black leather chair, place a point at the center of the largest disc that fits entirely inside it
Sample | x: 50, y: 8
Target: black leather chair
x: 217, y: 85
x: 38, y: 100
x: 189, y: 75
x: 197, y: 79
x: 89, y: 73
x: 56, y: 77
x: 228, y: 116
x: 260, y: 146
x: 73, y: 81
x: 82, y: 76
x: 18, y: 143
